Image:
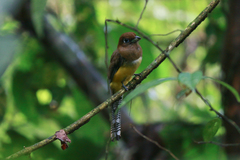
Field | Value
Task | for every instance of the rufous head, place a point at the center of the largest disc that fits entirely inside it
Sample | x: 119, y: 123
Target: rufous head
x: 128, y: 46
x: 128, y: 38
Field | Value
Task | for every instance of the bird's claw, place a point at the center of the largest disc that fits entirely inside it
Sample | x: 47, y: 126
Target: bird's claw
x: 124, y: 87
x: 137, y: 76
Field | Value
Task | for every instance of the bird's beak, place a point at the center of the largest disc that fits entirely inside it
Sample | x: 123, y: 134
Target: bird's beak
x: 136, y: 39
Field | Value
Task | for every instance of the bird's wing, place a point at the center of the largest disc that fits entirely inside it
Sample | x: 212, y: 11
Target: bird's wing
x: 115, y: 63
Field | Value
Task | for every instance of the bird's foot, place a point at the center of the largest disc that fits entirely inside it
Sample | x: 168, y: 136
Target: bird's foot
x: 137, y: 76
x: 124, y: 87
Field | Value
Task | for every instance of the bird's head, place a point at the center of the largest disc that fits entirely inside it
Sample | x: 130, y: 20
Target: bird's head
x: 128, y: 38
x: 128, y: 46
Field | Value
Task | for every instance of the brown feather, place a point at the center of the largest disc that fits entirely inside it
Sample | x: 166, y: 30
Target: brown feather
x: 115, y: 62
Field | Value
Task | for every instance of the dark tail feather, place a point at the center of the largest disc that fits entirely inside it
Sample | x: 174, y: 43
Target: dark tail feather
x: 116, y: 120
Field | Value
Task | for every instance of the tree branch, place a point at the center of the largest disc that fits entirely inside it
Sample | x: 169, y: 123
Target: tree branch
x: 140, y: 17
x: 177, y: 30
x: 219, y: 114
x: 154, y: 142
x: 219, y: 144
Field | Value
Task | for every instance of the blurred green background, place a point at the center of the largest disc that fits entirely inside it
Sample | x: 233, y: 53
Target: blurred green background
x: 38, y: 96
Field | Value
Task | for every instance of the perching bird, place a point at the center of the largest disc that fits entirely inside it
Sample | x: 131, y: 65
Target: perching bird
x: 124, y: 62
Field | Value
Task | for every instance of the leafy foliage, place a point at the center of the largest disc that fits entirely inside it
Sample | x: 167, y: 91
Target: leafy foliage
x: 190, y: 80
x: 230, y: 88
x: 37, y: 8
x: 211, y: 129
x: 142, y: 88
x: 26, y: 69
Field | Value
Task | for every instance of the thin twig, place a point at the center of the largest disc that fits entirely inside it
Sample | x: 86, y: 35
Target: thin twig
x: 106, y: 53
x: 106, y: 46
x: 219, y: 114
x: 136, y: 30
x: 107, y: 148
x: 177, y: 30
x: 154, y: 142
x: 174, y: 65
x: 219, y: 144
x: 146, y: 1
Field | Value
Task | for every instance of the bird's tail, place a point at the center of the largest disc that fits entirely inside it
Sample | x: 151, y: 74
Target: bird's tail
x: 115, y: 120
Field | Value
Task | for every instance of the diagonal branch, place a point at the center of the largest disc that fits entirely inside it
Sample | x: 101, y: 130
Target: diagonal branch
x: 219, y: 144
x: 218, y: 113
x: 154, y: 142
x: 177, y: 30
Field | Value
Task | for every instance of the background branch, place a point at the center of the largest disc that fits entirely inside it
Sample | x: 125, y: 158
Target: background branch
x: 219, y: 144
x: 154, y: 142
x: 140, y: 17
x: 177, y: 30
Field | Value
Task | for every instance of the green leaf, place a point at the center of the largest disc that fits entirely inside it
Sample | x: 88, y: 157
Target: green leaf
x: 190, y: 80
x: 233, y: 90
x: 185, y: 78
x: 142, y: 88
x: 211, y: 129
x: 196, y: 78
x: 37, y: 8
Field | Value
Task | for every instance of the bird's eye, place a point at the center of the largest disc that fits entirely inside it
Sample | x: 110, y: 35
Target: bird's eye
x: 125, y: 40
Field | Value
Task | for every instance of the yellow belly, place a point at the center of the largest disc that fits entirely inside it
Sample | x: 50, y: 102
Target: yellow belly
x: 124, y: 75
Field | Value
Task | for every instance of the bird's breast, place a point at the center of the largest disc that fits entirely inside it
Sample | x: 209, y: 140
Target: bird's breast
x: 124, y: 74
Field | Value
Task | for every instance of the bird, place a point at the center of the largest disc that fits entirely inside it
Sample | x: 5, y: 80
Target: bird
x: 124, y: 61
